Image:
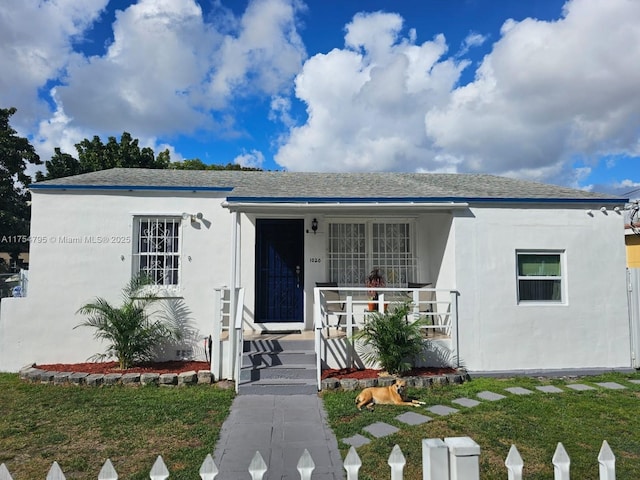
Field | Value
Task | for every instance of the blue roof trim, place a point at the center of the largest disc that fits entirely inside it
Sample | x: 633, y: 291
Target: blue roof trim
x: 321, y: 200
x: 420, y: 199
x: 128, y: 187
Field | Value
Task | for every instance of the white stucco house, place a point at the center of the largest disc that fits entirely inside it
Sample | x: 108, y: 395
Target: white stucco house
x: 526, y: 276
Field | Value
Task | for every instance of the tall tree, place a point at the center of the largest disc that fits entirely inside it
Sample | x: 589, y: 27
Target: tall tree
x: 94, y: 155
x: 15, y: 155
x: 60, y: 165
x: 197, y: 164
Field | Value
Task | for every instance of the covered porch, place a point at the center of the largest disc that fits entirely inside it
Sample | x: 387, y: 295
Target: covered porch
x: 302, y: 267
x: 338, y: 314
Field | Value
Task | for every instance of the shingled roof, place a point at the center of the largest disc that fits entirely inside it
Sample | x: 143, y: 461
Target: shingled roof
x: 319, y: 187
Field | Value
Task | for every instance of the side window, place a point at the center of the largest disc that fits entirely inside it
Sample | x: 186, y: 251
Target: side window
x: 157, y: 249
x: 540, y: 276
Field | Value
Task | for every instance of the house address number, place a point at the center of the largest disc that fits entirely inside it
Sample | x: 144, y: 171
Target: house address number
x: 315, y: 260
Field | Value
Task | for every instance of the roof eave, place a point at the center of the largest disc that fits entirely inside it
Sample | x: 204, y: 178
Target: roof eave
x: 165, y: 188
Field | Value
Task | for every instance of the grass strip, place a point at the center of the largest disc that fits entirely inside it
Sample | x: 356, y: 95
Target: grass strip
x: 80, y: 427
x: 535, y: 423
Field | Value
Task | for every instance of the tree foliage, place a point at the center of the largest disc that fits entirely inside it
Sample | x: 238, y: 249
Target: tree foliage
x: 197, y: 164
x: 94, y: 155
x: 15, y: 154
x: 131, y: 332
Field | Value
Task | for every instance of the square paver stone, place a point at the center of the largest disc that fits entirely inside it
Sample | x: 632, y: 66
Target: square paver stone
x: 442, y: 410
x: 381, y: 429
x: 635, y: 381
x: 466, y: 402
x: 580, y: 387
x: 356, y: 441
x: 492, y: 397
x: 412, y: 418
x: 549, y: 389
x: 519, y: 391
x: 611, y: 385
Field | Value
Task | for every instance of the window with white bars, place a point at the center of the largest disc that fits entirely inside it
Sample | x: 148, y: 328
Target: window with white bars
x: 157, y: 249
x: 356, y: 248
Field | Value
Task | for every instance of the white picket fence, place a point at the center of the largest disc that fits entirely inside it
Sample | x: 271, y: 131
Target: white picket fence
x: 455, y: 458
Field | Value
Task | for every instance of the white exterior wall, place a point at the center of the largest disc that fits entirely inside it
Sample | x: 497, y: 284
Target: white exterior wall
x: 64, y: 276
x: 591, y: 328
x: 472, y: 251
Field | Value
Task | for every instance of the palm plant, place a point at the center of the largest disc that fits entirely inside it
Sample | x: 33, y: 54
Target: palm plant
x: 129, y: 330
x: 391, y: 340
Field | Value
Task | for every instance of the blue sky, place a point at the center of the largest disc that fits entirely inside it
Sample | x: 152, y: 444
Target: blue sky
x: 545, y: 90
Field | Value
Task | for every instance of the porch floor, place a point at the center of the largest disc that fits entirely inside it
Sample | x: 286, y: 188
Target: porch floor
x: 309, y: 335
x: 304, y: 335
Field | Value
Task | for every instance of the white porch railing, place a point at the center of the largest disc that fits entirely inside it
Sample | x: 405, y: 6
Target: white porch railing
x: 437, y: 305
x: 348, y: 307
x: 456, y: 458
x: 228, y: 307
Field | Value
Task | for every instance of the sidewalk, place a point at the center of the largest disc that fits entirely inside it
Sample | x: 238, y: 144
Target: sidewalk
x: 280, y: 427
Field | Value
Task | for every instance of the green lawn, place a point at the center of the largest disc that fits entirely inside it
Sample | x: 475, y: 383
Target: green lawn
x: 534, y: 423
x: 80, y: 427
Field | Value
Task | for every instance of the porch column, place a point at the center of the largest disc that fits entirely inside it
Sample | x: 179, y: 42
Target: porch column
x: 233, y: 355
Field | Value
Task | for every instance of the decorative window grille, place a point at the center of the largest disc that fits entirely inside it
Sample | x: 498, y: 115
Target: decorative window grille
x: 356, y: 248
x: 157, y: 249
x: 539, y: 276
x: 347, y: 253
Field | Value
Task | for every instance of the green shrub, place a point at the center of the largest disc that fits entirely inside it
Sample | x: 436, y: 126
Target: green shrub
x: 393, y: 341
x: 130, y: 331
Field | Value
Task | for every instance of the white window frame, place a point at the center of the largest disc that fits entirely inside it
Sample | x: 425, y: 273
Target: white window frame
x: 562, y: 278
x: 368, y: 258
x: 175, y: 251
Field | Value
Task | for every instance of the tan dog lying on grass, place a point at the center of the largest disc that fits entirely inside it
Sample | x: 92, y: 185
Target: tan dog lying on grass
x: 391, y: 395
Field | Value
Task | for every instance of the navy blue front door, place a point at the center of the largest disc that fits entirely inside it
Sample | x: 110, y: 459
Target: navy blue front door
x: 279, y: 270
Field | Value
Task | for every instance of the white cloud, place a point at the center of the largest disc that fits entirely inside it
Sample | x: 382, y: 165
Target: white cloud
x: 548, y: 93
x: 35, y: 44
x: 252, y: 159
x: 145, y: 81
x: 167, y: 72
x: 366, y: 103
x: 263, y: 56
x: 472, y: 40
x: 59, y: 131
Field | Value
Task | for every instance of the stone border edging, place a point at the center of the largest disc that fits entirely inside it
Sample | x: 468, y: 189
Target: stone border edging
x: 205, y: 377
x: 413, y: 381
x: 202, y: 377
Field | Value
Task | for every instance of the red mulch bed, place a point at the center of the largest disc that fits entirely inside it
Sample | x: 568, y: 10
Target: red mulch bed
x: 112, y: 367
x: 179, y: 366
x: 370, y: 373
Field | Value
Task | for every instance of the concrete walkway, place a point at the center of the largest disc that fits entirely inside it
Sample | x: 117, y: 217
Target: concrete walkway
x: 280, y: 427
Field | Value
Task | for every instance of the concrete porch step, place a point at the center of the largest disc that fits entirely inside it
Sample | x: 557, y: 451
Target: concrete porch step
x: 276, y: 345
x: 278, y: 387
x: 272, y: 366
x: 272, y: 359
x: 278, y: 372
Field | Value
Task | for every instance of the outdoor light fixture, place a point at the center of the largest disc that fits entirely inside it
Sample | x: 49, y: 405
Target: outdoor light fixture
x: 314, y: 226
x: 193, y: 216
